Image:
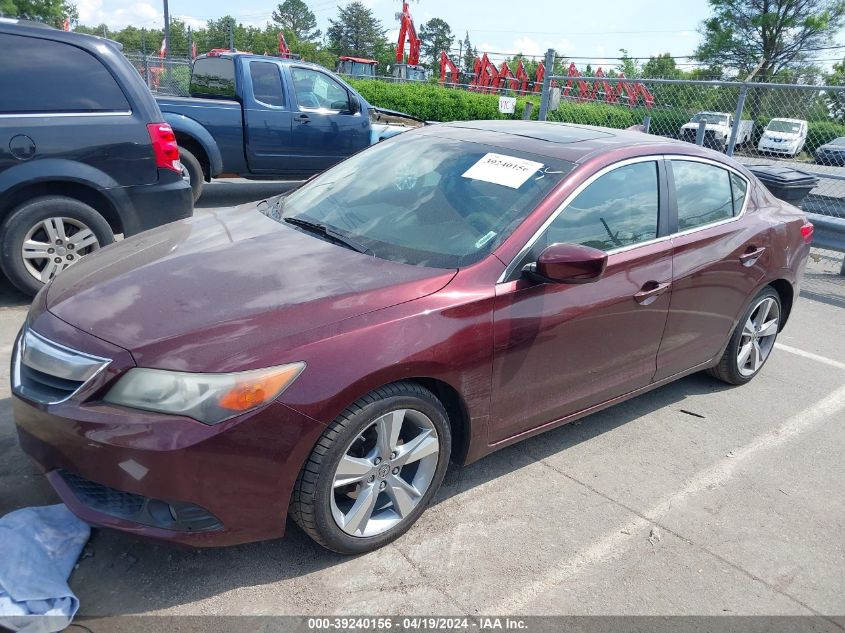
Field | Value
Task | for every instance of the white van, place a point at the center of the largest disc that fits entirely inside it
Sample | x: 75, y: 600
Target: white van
x: 783, y: 136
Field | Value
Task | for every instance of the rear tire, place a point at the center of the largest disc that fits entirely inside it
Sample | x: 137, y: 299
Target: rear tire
x: 192, y: 172
x: 752, y: 341
x: 30, y: 223
x: 374, y: 470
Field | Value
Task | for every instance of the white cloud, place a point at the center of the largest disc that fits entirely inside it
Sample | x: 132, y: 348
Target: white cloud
x: 527, y: 46
x: 119, y: 14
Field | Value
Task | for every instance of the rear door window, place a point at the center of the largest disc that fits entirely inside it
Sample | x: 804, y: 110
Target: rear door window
x: 703, y: 193
x: 267, y: 83
x: 39, y: 75
x: 739, y: 187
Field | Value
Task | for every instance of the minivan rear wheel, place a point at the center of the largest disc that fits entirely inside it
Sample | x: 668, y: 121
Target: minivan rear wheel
x: 192, y: 172
x: 752, y: 341
x: 46, y: 235
x: 374, y: 470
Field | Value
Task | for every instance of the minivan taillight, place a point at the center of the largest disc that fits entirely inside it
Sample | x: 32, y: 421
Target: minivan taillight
x: 165, y: 149
x: 807, y: 232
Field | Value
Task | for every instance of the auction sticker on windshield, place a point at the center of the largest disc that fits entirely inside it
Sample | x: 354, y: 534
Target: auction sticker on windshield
x: 500, y: 169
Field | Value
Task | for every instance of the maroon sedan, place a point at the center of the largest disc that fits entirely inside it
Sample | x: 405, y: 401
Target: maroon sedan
x: 438, y: 296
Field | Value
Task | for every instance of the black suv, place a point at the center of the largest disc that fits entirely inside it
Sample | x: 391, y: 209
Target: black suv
x: 84, y: 152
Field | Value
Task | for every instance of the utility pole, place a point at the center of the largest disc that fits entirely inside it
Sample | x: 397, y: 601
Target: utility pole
x: 190, y: 42
x: 166, y: 30
x: 231, y: 34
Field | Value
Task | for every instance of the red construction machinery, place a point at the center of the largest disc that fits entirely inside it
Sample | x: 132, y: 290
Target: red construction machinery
x: 410, y: 68
x: 487, y: 78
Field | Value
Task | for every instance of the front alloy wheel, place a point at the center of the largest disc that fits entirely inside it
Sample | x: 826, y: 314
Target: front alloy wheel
x: 374, y: 469
x: 384, y: 473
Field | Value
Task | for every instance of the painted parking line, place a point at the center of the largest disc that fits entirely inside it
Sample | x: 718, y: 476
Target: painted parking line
x: 810, y: 355
x: 716, y: 476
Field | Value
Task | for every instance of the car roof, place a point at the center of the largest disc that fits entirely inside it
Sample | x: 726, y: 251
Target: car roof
x: 14, y: 26
x: 285, y: 60
x: 566, y: 141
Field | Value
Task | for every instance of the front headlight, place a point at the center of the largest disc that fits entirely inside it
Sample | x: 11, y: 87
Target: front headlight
x: 208, y: 398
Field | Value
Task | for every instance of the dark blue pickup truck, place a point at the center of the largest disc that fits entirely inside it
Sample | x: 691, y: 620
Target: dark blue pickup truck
x: 258, y: 117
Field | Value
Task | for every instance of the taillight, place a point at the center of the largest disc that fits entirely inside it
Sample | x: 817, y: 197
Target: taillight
x: 807, y: 232
x: 165, y: 149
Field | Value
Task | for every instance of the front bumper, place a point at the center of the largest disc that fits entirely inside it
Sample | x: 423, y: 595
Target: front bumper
x: 165, y: 477
x: 169, y: 200
x: 778, y: 148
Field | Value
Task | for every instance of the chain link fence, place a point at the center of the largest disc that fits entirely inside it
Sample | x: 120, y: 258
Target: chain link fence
x: 168, y: 76
x: 761, y: 125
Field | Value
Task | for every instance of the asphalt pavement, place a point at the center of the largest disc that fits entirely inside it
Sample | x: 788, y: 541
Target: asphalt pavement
x: 694, y: 499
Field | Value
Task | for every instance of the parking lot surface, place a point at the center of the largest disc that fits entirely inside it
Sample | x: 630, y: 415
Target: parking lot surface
x: 696, y: 498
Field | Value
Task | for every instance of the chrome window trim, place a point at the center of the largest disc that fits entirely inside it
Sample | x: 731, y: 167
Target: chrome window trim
x: 623, y: 163
x: 44, y: 115
x: 91, y: 366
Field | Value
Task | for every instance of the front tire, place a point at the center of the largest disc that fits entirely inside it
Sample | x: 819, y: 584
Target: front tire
x: 374, y: 470
x: 192, y: 172
x: 752, y: 341
x: 42, y: 237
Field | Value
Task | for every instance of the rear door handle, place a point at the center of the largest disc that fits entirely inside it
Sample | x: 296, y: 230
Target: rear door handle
x: 650, y: 291
x: 303, y: 118
x: 748, y: 258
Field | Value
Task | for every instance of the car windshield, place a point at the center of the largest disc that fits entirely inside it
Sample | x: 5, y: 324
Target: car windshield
x: 424, y: 200
x: 710, y: 117
x: 783, y: 126
x: 838, y: 141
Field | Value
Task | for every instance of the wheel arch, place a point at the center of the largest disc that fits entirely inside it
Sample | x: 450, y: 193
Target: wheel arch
x: 787, y: 298
x: 190, y: 133
x: 84, y: 192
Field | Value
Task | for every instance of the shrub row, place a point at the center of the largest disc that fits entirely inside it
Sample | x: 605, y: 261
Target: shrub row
x: 432, y: 102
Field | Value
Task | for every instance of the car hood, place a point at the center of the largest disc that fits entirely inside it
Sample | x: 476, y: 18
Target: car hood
x: 212, y: 292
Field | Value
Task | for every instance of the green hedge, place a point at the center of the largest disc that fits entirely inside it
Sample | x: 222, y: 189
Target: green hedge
x: 432, y: 102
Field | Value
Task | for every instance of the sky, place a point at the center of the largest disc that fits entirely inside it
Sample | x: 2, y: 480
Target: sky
x: 591, y: 30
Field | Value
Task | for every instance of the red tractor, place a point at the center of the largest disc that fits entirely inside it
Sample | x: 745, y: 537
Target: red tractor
x: 410, y: 69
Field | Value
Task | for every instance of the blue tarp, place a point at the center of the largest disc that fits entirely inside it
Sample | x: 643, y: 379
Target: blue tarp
x: 38, y: 549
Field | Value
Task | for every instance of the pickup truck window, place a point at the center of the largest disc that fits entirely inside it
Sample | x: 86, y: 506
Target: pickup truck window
x: 316, y: 90
x: 267, y: 83
x: 52, y: 71
x: 213, y: 77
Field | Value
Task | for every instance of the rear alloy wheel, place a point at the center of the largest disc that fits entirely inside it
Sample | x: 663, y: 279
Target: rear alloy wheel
x: 43, y: 237
x: 752, y: 341
x: 374, y: 470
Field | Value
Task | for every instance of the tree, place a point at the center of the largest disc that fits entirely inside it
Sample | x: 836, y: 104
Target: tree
x: 356, y: 32
x: 52, y: 12
x: 467, y: 64
x: 627, y: 65
x: 661, y: 67
x: 781, y: 33
x: 436, y: 36
x: 297, y: 20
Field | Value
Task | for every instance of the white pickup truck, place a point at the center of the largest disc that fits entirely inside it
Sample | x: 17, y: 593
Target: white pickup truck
x: 717, y: 129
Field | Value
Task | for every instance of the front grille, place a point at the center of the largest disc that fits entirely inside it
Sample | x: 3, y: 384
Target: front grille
x: 47, y: 372
x: 176, y: 516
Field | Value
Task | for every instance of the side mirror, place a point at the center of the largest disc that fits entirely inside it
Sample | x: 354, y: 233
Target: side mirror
x: 354, y: 104
x: 568, y: 264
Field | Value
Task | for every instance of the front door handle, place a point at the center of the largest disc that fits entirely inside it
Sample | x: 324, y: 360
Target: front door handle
x: 650, y: 291
x: 303, y: 118
x: 751, y: 255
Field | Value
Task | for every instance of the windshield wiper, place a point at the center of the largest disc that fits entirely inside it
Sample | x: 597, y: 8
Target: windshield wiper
x: 325, y: 231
